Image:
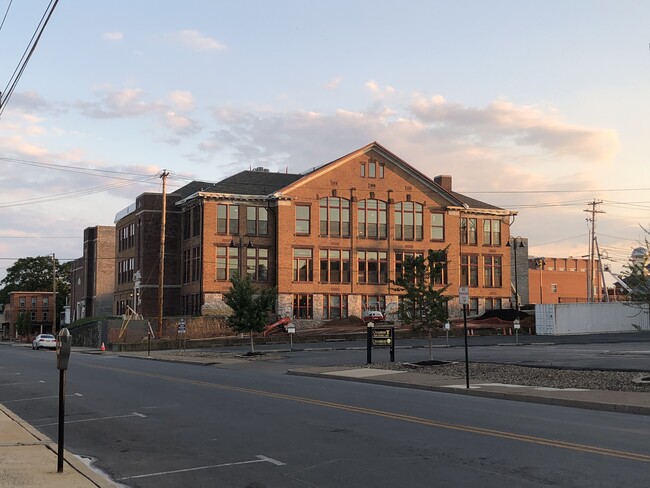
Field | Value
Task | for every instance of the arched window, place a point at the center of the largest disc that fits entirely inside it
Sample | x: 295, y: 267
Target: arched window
x: 334, y: 217
x: 408, y: 221
x: 371, y: 217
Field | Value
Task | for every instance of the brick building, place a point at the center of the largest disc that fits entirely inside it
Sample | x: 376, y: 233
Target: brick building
x: 137, y: 253
x: 332, y: 239
x: 558, y: 280
x: 92, y: 279
x: 37, y: 305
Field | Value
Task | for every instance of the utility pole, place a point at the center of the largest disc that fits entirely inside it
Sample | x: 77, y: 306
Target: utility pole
x: 592, y: 247
x: 161, y: 278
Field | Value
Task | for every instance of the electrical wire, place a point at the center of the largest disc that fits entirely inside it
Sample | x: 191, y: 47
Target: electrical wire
x: 5, y: 16
x: 18, y: 72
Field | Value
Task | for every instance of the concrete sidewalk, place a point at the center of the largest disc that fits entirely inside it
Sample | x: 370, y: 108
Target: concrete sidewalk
x: 606, y: 400
x: 28, y: 458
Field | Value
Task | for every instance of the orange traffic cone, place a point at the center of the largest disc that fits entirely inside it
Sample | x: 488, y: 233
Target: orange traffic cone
x: 103, y: 348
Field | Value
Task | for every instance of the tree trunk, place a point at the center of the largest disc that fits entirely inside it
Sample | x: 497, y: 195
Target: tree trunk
x: 430, y: 346
x: 252, y: 345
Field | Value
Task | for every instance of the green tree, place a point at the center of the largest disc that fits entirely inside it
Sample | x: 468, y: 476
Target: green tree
x: 423, y: 305
x: 251, y: 307
x: 37, y: 274
x: 23, y: 324
x: 637, y: 273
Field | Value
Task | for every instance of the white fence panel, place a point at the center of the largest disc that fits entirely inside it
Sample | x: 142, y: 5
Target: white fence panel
x: 590, y: 318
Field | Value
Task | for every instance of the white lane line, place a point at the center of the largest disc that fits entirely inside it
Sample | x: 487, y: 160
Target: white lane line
x: 39, y: 398
x: 134, y: 414
x: 8, y: 374
x: 260, y: 459
x: 23, y: 383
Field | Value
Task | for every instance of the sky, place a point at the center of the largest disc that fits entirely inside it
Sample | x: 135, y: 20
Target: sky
x: 536, y: 107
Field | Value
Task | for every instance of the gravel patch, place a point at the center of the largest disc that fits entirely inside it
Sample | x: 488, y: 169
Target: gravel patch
x: 531, y: 376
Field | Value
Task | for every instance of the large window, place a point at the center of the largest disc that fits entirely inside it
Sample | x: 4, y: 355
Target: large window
x: 302, y: 265
x: 371, y: 216
x: 373, y: 267
x: 126, y: 237
x: 257, y: 263
x: 468, y: 231
x: 227, y: 262
x: 192, y: 265
x: 303, y: 306
x: 227, y: 219
x: 492, y: 232
x: 257, y: 221
x: 492, y: 271
x: 373, y: 302
x: 469, y: 270
x: 302, y: 219
x: 437, y: 227
x: 125, y: 270
x: 401, y: 258
x: 408, y: 221
x: 334, y: 217
x: 334, y: 266
x: 335, y: 306
x: 493, y: 304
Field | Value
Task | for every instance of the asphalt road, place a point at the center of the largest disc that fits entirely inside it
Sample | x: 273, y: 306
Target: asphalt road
x: 157, y: 424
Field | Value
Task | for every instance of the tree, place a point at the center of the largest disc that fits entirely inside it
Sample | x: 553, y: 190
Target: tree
x: 251, y: 307
x: 423, y: 305
x: 37, y: 274
x: 23, y: 324
x: 637, y: 273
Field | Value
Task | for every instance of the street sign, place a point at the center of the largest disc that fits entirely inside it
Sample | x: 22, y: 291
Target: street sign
x: 181, y: 326
x: 381, y: 337
x: 516, y: 324
x: 463, y: 295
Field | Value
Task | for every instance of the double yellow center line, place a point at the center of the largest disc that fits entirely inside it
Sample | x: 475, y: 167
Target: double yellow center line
x: 397, y: 416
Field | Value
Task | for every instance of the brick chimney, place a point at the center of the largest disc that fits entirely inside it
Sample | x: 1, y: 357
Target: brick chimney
x: 444, y: 181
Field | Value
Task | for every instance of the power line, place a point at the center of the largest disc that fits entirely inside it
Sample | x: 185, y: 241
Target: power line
x: 6, y: 12
x: 22, y: 64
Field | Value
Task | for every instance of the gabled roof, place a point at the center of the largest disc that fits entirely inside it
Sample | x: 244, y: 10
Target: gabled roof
x: 452, y: 198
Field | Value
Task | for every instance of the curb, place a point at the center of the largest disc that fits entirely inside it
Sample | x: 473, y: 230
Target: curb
x: 525, y: 398
x: 70, y: 459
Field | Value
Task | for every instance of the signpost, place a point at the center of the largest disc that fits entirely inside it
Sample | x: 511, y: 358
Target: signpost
x: 463, y: 298
x: 291, y: 329
x: 182, y: 341
x: 517, y: 325
x: 380, y: 337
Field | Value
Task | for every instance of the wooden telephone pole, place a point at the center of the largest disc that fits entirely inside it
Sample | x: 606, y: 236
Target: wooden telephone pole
x: 591, y: 280
x: 161, y: 277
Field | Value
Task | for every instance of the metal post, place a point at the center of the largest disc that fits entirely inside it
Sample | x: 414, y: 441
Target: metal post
x: 466, y: 354
x: 369, y: 343
x: 392, y: 344
x: 59, y: 464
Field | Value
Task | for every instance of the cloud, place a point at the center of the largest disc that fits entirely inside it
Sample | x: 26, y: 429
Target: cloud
x: 522, y: 126
x: 113, y: 36
x: 181, y: 124
x: 334, y: 84
x: 128, y: 102
x: 378, y: 92
x: 181, y: 100
x: 195, y: 40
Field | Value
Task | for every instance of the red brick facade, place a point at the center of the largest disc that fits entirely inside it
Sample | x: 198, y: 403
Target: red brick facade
x: 333, y: 239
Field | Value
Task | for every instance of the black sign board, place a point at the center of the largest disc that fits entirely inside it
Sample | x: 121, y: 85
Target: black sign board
x: 381, y: 337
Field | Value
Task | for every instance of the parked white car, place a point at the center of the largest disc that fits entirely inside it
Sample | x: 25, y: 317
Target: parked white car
x: 47, y: 341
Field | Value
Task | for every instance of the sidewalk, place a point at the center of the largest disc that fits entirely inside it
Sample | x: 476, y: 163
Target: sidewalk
x: 612, y: 401
x: 28, y: 458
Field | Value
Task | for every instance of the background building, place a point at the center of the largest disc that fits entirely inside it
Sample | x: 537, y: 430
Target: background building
x: 557, y: 280
x: 93, y: 275
x: 38, y: 306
